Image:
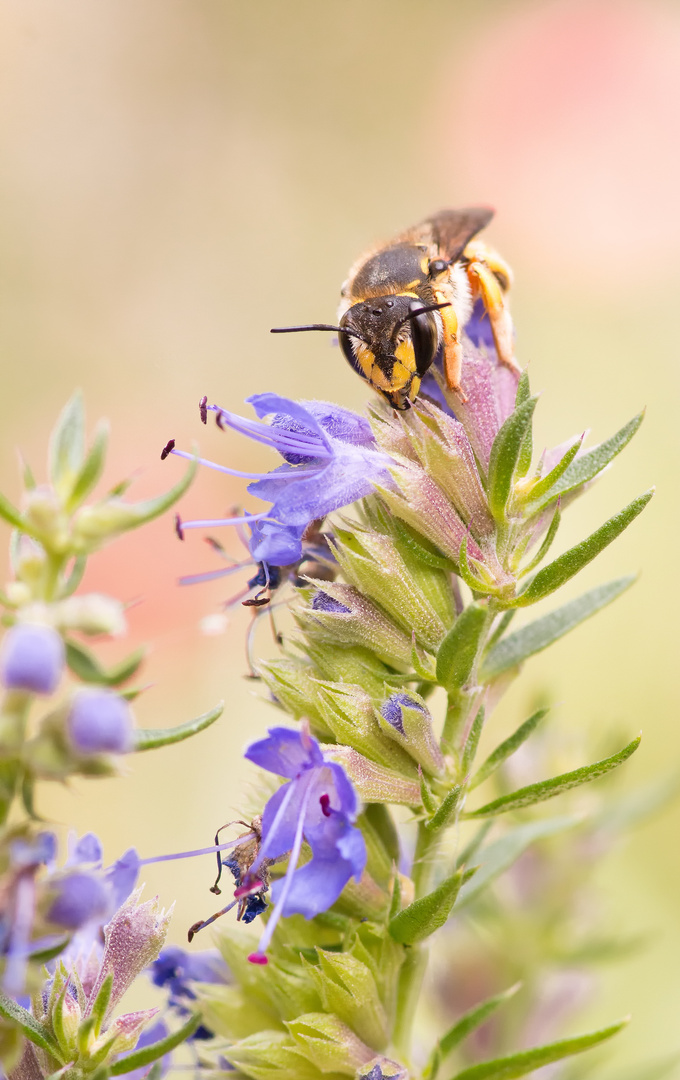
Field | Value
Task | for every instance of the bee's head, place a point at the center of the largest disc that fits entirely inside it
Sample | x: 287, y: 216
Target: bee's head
x: 391, y: 341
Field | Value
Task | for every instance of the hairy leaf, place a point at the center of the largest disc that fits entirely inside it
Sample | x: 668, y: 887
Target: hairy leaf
x: 139, y: 1058
x: 468, y: 1022
x: 30, y: 1027
x: 556, y: 573
x: 508, y: 1068
x: 85, y: 665
x: 505, y: 454
x: 548, y: 789
x: 506, y: 748
x: 458, y: 651
x: 519, y: 646
x: 151, y: 738
x: 421, y: 918
x: 67, y: 445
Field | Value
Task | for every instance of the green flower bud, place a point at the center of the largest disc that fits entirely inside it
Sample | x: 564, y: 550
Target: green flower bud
x: 374, y: 783
x: 349, y: 713
x: 348, y: 989
x: 349, y: 664
x: 328, y: 1043
x: 45, y: 517
x: 94, y: 525
x: 91, y: 614
x: 381, y: 1068
x: 270, y: 1054
x: 340, y: 613
x: 375, y: 566
x: 66, y: 1018
x: 405, y: 718
x: 292, y: 685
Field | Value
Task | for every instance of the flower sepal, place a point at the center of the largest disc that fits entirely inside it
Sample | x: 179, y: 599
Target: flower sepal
x: 405, y: 718
x: 328, y: 1043
x: 350, y: 714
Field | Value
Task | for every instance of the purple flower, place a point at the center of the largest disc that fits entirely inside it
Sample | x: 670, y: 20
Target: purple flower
x: 81, y: 897
x: 175, y: 970
x: 32, y: 658
x: 318, y: 804
x: 99, y: 722
x: 330, y: 461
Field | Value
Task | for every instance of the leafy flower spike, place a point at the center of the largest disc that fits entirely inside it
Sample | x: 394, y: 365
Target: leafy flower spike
x: 319, y: 805
x: 331, y: 460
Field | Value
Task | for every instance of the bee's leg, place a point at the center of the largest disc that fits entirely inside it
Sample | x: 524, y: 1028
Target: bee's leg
x: 485, y: 283
x: 453, y: 350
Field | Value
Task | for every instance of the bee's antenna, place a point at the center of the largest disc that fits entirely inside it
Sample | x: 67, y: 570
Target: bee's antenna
x: 422, y: 311
x: 317, y: 326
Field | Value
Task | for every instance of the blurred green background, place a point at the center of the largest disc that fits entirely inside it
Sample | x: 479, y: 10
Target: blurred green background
x: 179, y: 175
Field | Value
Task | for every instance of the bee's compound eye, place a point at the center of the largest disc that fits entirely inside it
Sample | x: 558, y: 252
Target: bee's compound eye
x: 437, y: 267
x: 424, y: 337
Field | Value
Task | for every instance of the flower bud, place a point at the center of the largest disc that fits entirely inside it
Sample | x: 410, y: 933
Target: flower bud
x: 348, y: 711
x: 44, y: 514
x: 374, y: 783
x: 348, y: 989
x: 67, y: 1020
x: 405, y: 718
x: 99, y: 722
x: 94, y: 525
x: 375, y: 566
x: 328, y: 1043
x: 381, y: 1068
x: 32, y: 658
x: 339, y: 612
x: 78, y: 899
x: 92, y: 614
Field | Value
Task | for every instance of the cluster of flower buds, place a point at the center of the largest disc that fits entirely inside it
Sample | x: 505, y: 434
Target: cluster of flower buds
x: 63, y: 714
x: 449, y: 541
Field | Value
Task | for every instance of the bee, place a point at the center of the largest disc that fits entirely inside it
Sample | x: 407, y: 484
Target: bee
x: 407, y: 301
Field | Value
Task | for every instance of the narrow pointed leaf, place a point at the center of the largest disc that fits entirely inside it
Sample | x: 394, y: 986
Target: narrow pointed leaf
x: 467, y: 573
x: 508, y: 1068
x: 546, y: 544
x: 543, y: 486
x: 93, y: 465
x: 67, y: 443
x: 139, y: 1058
x: 563, y: 568
x: 471, y: 1020
x: 588, y: 465
x: 548, y: 789
x: 445, y: 814
x: 101, y: 1002
x: 75, y: 576
x: 11, y: 514
x: 458, y: 651
x: 150, y: 738
x: 499, y: 855
x: 472, y: 741
x: 518, y: 647
x: 527, y: 447
x: 505, y: 454
x: 86, y: 666
x: 419, y: 546
x: 421, y: 918
x: 30, y: 1027
x: 506, y: 748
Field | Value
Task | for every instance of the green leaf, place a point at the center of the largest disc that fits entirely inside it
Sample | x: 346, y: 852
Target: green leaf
x: 419, y: 546
x: 150, y: 738
x: 458, y: 651
x: 86, y: 666
x: 11, y: 514
x: 548, y: 789
x: 547, y: 542
x: 476, y: 583
x: 67, y: 445
x: 543, y: 486
x: 498, y: 856
x: 505, y: 454
x: 446, y: 812
x: 516, y: 648
x: 75, y: 577
x: 563, y: 568
x: 527, y: 448
x: 421, y: 918
x: 588, y: 465
x: 508, y: 1068
x: 101, y: 1003
x: 30, y: 1027
x: 472, y: 741
x: 141, y: 512
x: 139, y: 1058
x: 468, y: 1022
x: 506, y: 748
x: 92, y: 467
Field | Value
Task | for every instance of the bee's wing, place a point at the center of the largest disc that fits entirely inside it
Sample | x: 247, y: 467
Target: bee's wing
x: 450, y: 230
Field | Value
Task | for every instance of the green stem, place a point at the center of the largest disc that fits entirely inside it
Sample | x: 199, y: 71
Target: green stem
x: 415, y: 964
